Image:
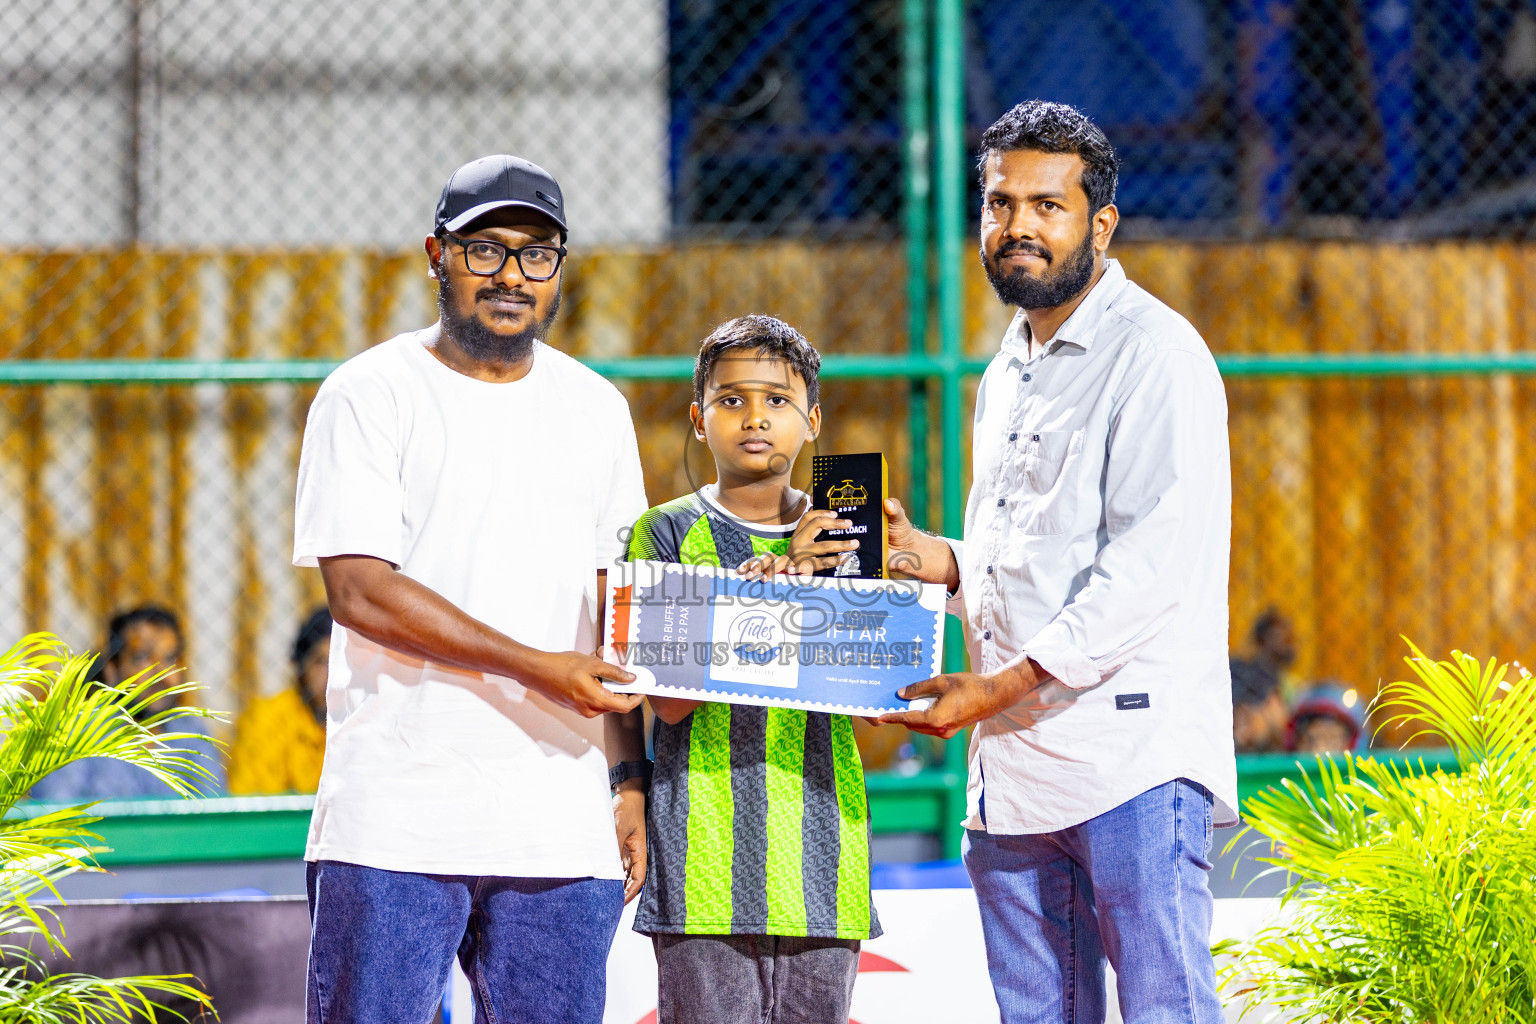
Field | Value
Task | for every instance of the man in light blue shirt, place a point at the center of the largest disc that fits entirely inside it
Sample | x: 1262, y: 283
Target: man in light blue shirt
x: 1092, y: 581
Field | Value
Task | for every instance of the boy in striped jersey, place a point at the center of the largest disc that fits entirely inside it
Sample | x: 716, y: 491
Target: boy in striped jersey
x: 757, y: 892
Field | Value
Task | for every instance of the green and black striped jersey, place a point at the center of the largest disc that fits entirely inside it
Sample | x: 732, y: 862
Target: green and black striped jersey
x: 758, y: 820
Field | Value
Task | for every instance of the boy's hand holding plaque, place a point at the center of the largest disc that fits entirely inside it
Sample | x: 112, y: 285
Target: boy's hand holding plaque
x: 811, y: 549
x: 847, y: 518
x: 854, y: 488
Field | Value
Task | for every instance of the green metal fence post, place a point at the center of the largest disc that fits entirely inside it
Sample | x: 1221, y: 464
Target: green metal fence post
x: 949, y: 188
x: 916, y: 197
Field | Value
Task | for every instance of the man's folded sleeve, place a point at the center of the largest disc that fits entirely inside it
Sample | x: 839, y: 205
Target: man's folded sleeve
x: 955, y: 601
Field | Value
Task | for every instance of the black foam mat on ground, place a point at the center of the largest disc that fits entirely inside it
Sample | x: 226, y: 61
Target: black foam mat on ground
x: 249, y: 953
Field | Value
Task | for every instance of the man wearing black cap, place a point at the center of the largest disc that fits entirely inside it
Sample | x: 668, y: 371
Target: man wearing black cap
x: 462, y: 489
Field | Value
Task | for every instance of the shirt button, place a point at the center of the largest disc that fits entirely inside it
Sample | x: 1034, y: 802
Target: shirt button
x: 1001, y: 502
x: 987, y: 635
x: 1014, y: 436
x: 989, y: 570
x: 1028, y: 378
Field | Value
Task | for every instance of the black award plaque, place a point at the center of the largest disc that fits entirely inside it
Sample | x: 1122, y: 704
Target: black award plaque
x: 853, y: 486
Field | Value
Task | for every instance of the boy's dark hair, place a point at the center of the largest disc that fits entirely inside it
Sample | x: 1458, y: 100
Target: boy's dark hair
x: 1058, y: 128
x: 154, y: 614
x: 773, y: 336
x: 316, y: 628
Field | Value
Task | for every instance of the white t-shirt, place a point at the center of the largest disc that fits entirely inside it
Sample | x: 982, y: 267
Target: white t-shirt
x: 505, y: 499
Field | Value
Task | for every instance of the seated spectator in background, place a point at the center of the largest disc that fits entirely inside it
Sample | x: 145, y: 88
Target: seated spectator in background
x: 1258, y: 712
x: 147, y: 638
x: 1273, y: 640
x: 1258, y: 685
x: 1327, y: 719
x: 280, y: 740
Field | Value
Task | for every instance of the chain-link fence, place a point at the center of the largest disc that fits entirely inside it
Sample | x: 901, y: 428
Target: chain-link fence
x: 1388, y: 119
x: 197, y: 180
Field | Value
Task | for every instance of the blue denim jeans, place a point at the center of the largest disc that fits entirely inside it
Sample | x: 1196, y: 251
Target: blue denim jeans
x: 1129, y: 886
x: 381, y: 945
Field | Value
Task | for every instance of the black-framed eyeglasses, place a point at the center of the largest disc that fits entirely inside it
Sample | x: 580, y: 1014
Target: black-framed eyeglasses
x: 485, y: 258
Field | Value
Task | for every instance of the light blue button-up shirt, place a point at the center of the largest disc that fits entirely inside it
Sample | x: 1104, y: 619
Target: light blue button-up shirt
x: 105, y: 778
x: 1097, y: 537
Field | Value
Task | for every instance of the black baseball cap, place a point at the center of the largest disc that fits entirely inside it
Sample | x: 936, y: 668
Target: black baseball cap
x: 495, y: 183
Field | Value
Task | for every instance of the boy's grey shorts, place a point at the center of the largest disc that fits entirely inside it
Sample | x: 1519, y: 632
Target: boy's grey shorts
x: 754, y: 979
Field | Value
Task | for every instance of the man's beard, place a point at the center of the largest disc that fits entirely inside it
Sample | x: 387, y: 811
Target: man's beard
x: 1050, y: 289
x: 477, y: 340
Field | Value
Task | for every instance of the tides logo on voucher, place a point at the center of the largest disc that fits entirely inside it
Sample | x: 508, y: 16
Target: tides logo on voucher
x: 753, y: 640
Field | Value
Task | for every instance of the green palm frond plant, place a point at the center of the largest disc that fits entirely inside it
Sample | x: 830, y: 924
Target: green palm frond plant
x: 52, y: 714
x: 1411, y: 894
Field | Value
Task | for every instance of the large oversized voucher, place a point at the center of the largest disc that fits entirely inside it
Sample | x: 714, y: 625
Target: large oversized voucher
x: 819, y: 643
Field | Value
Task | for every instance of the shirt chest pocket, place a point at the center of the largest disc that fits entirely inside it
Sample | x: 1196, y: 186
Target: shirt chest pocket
x: 1044, y: 501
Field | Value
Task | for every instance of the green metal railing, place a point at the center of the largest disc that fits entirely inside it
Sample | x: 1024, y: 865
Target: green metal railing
x: 275, y: 827
x: 915, y: 366
x: 918, y: 367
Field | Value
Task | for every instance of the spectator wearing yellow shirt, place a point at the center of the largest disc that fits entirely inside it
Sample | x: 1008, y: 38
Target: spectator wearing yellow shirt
x: 280, y: 740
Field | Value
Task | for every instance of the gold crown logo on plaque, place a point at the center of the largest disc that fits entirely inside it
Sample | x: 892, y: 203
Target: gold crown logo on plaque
x: 847, y: 494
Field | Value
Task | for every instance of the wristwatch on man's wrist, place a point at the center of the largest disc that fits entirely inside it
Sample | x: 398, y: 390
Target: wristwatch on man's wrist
x: 629, y: 770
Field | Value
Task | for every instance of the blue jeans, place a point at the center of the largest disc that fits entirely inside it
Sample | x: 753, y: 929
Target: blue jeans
x: 381, y: 945
x: 1129, y: 885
